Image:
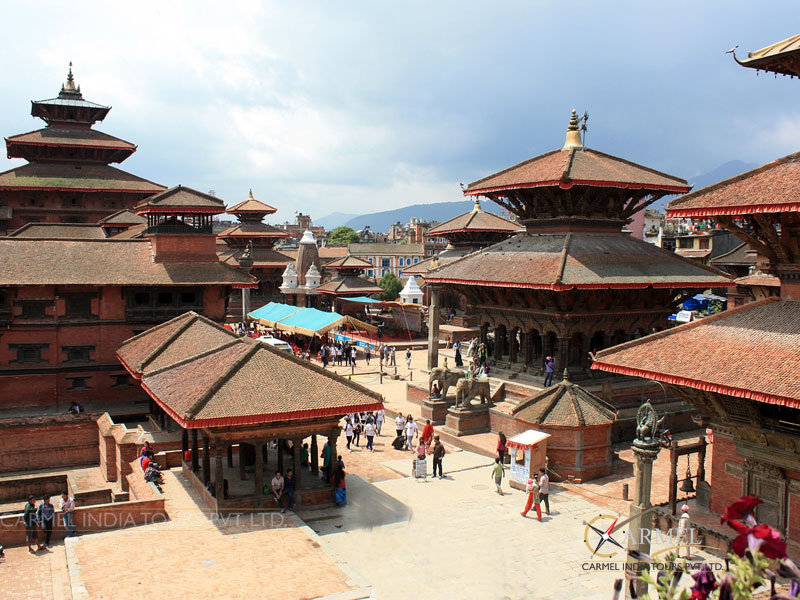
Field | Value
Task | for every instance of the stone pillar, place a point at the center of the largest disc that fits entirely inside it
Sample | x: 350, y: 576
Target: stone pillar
x: 219, y: 472
x: 433, y: 330
x: 195, y: 452
x: 645, y: 450
x: 562, y: 360
x: 245, y: 303
x: 297, y: 444
x: 206, y: 460
x: 259, y: 475
x: 314, y: 455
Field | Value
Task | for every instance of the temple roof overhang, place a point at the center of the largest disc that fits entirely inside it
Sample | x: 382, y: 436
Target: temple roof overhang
x: 562, y: 261
x: 746, y: 352
x: 253, y: 231
x: 565, y: 405
x: 117, y: 150
x: 75, y: 178
x: 475, y: 221
x: 781, y: 57
x: 181, y: 200
x: 251, y: 206
x: 204, y: 376
x: 341, y: 286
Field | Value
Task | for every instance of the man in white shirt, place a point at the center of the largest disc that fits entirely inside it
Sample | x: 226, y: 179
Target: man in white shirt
x: 411, y: 430
x: 67, y: 508
x: 379, y: 420
x: 392, y: 356
x: 369, y: 431
x: 544, y: 489
x: 277, y: 489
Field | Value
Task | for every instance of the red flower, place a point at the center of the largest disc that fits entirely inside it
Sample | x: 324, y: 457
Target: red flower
x: 740, y: 509
x: 761, y: 537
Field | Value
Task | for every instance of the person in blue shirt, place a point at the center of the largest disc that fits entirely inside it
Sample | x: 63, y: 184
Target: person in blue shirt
x: 46, y: 516
x: 549, y: 369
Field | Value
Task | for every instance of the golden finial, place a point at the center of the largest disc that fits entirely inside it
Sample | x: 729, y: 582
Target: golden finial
x: 477, y: 207
x: 573, y: 133
x: 250, y: 197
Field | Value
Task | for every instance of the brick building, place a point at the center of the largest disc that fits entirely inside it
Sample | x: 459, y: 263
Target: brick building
x: 67, y: 303
x: 68, y: 178
x: 388, y: 258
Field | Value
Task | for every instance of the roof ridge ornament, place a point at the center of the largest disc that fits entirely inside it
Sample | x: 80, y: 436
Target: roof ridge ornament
x: 477, y: 207
x: 69, y: 89
x: 573, y: 139
x: 250, y: 195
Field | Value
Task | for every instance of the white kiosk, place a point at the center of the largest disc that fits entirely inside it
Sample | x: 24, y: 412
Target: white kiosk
x: 528, y: 452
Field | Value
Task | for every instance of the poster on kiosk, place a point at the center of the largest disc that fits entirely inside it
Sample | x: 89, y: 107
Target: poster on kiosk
x: 527, y: 452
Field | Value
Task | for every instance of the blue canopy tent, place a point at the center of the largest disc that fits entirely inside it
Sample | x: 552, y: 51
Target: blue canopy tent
x: 363, y: 299
x: 305, y: 321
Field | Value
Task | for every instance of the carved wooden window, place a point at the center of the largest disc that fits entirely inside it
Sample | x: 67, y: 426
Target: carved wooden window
x: 28, y: 353
x: 34, y: 309
x: 78, y: 353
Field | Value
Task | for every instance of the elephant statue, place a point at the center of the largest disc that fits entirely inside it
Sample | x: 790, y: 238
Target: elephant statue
x: 468, y: 388
x: 445, y: 378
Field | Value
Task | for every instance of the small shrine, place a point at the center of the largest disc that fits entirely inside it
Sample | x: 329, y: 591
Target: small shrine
x: 302, y: 280
x: 411, y: 293
x: 347, y: 281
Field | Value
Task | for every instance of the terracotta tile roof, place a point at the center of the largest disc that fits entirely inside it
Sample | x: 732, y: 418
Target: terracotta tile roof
x: 565, y: 405
x: 123, y: 217
x: 67, y: 231
x: 102, y: 262
x: 780, y: 57
x: 326, y: 254
x: 227, y: 380
x: 561, y: 261
x: 774, y: 187
x: 565, y: 168
x: 476, y: 220
x: 751, y: 351
x: 253, y: 206
x: 349, y: 262
x: 424, y: 266
x: 172, y: 342
x: 687, y: 253
x: 262, y: 257
x: 51, y: 136
x: 132, y: 232
x: 350, y: 285
x: 762, y: 280
x: 182, y: 199
x: 84, y: 177
x: 742, y: 255
x: 253, y: 230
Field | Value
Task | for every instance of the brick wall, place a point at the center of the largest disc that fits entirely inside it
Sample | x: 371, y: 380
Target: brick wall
x: 725, y: 487
x: 32, y: 443
x: 19, y: 489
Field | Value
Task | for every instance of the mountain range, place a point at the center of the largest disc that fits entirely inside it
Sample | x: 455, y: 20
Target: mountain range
x: 442, y: 211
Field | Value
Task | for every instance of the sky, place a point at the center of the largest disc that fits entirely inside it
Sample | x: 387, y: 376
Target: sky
x: 363, y: 106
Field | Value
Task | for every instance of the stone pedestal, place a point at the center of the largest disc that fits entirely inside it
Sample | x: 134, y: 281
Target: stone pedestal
x: 466, y: 421
x: 435, y: 409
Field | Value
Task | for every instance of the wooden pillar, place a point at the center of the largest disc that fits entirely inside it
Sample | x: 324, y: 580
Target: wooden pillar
x: 242, y: 475
x: 314, y: 455
x: 184, y: 442
x: 334, y: 457
x: 433, y: 330
x: 673, y: 477
x: 206, y: 460
x: 230, y: 456
x: 219, y: 472
x: 297, y: 444
x: 195, y: 452
x: 280, y: 456
x: 701, y: 460
x: 259, y: 475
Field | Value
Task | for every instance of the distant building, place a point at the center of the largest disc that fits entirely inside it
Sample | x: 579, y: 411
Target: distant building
x: 388, y: 258
x: 301, y: 225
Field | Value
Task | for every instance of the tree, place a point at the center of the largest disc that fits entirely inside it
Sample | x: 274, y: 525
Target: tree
x: 391, y: 286
x: 342, y: 236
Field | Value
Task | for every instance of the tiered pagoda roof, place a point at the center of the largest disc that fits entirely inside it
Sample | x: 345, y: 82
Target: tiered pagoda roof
x: 204, y: 376
x: 476, y: 221
x: 349, y: 262
x: 350, y: 285
x: 86, y: 177
x: 181, y: 200
x: 252, y: 206
x: 251, y: 227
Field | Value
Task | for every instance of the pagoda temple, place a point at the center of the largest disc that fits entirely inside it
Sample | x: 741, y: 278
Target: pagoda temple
x: 572, y: 281
x: 347, y: 281
x: 68, y: 178
x: 249, y: 244
x: 741, y: 375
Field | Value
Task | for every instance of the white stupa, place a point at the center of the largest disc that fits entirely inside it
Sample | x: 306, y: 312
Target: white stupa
x: 411, y: 292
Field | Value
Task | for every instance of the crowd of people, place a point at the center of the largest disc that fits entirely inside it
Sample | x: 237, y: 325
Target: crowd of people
x: 43, y: 517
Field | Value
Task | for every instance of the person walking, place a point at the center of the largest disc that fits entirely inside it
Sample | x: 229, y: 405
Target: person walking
x: 497, y: 475
x: 411, y: 431
x: 408, y: 358
x: 533, y: 498
x: 399, y: 424
x: 46, y: 516
x: 684, y: 533
x: 67, y: 508
x: 353, y: 354
x: 379, y: 419
x: 357, y: 429
x: 544, y: 489
x: 392, y: 357
x: 29, y: 518
x: 369, y: 431
x: 349, y: 431
x: 367, y: 353
x: 438, y: 455
x: 427, y: 433
x: 502, y: 447
x: 549, y: 369
x: 381, y: 355
x: 459, y: 360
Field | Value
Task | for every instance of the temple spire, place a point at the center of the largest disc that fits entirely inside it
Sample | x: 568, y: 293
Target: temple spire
x: 573, y: 133
x: 477, y: 207
x: 69, y: 88
x: 250, y: 196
